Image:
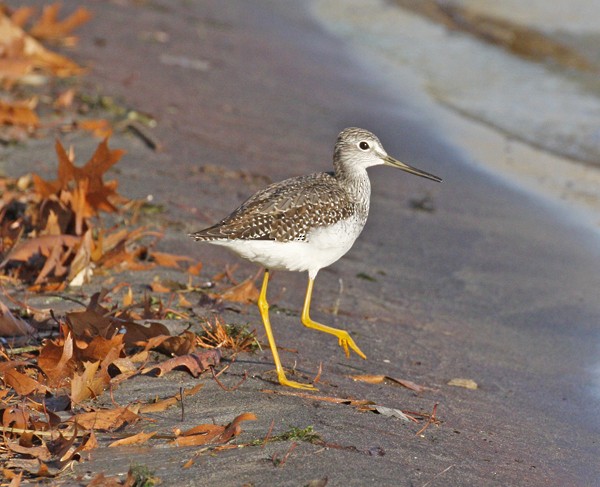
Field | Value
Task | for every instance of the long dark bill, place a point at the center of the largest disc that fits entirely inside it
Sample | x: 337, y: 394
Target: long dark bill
x: 390, y: 161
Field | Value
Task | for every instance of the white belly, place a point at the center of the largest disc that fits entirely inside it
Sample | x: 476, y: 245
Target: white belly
x: 322, y: 248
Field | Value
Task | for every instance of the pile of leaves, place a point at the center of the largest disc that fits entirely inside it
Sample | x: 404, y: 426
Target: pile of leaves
x: 26, y: 65
x: 48, y: 238
x: 53, y: 236
x: 49, y: 412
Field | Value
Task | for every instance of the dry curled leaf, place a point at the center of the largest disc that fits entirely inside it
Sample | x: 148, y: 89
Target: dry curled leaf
x: 24, y: 55
x: 212, y: 433
x: 105, y: 419
x: 98, y: 127
x: 19, y: 113
x: 23, y: 384
x: 195, y: 363
x: 163, y: 404
x: 244, y: 292
x: 137, y: 439
x: 10, y: 325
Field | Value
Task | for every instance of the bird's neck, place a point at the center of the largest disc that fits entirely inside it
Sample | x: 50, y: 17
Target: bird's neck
x: 358, y: 186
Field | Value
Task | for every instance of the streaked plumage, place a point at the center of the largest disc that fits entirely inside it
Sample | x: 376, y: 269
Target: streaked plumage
x: 307, y: 223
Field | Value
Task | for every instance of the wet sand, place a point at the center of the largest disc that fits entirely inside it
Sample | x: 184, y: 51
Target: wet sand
x: 494, y: 285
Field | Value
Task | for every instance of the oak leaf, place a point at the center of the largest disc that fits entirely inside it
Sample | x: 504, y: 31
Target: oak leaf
x: 195, y: 363
x: 137, y: 439
x: 23, y: 384
x: 48, y: 27
x: 106, y: 419
x: 212, y: 433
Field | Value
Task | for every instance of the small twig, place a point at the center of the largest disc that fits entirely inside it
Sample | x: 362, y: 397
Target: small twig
x: 281, y: 463
x: 144, y: 135
x: 318, y: 376
x: 229, y: 273
x: 432, y: 419
x: 112, y: 397
x: 67, y: 298
x: 268, y: 435
x: 438, y: 475
x: 54, y: 317
x: 19, y: 303
x: 181, y: 397
x: 224, y: 369
x: 228, y: 389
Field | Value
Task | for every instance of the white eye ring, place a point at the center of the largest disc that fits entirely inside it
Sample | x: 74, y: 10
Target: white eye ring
x: 364, y: 146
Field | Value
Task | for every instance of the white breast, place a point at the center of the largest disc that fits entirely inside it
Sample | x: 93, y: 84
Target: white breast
x: 323, y: 246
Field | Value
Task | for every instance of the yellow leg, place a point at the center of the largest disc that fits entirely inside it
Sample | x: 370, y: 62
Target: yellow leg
x: 263, y: 307
x: 344, y: 338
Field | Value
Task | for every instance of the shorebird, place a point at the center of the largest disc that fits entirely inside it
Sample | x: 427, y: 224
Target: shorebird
x: 306, y: 223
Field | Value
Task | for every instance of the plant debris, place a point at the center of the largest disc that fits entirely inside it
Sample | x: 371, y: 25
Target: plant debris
x: 466, y: 383
x: 382, y: 379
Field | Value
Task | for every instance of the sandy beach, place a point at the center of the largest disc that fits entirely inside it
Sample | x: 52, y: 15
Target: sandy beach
x: 491, y: 276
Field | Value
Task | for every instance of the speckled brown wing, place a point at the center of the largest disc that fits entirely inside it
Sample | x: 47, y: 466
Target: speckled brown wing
x: 285, y: 211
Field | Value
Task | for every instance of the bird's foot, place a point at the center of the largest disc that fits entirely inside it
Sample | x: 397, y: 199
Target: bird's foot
x: 284, y: 381
x: 345, y: 341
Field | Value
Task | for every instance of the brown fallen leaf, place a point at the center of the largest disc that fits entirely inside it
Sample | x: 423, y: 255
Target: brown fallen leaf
x: 10, y: 325
x: 163, y: 404
x: 100, y: 128
x: 82, y: 268
x: 24, y: 54
x: 41, y: 245
x: 15, y: 417
x: 65, y: 99
x: 89, y: 194
x: 195, y: 269
x: 157, y: 287
x: 380, y: 379
x: 15, y: 478
x: 179, y: 345
x: 137, y: 439
x: 49, y: 28
x: 87, y: 384
x: 100, y: 348
x: 101, y: 480
x: 56, y: 360
x: 244, y: 292
x: 105, y: 419
x: 195, y: 363
x: 169, y: 260
x: 23, y: 384
x: 18, y: 113
x: 212, y: 433
x: 89, y: 442
x: 40, y: 451
x: 183, y: 302
x: 136, y: 333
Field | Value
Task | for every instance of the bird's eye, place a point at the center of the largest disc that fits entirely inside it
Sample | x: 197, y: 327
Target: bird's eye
x: 363, y: 146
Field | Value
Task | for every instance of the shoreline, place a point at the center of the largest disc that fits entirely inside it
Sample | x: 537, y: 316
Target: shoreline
x: 570, y: 185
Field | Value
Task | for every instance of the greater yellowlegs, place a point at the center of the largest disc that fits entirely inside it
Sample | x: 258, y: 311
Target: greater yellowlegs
x: 307, y: 223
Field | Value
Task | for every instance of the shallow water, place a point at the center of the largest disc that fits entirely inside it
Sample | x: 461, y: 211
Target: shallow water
x: 533, y: 122
x: 540, y: 102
